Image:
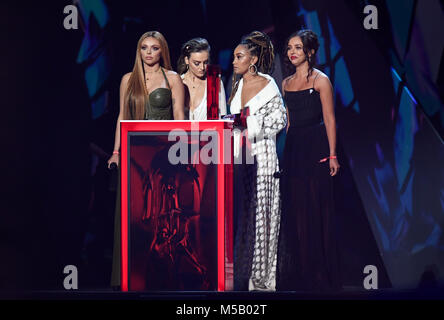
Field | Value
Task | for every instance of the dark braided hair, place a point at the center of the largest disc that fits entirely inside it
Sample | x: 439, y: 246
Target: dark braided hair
x: 189, y: 47
x: 260, y: 46
x: 309, y: 42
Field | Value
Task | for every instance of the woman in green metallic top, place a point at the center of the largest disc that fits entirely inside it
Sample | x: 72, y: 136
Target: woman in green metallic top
x: 152, y: 91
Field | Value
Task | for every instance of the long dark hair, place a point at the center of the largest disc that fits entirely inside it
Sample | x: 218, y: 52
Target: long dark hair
x: 193, y: 45
x: 309, y: 42
x: 260, y: 46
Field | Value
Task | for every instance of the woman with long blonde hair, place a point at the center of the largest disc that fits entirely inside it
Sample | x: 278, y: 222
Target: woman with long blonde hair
x: 152, y: 91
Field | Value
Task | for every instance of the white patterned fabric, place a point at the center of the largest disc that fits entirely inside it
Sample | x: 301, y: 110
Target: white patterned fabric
x: 267, y: 117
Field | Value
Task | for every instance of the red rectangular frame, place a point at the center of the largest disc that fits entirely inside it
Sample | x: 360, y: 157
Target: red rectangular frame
x: 224, y: 196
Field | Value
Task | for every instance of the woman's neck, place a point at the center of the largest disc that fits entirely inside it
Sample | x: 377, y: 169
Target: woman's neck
x: 193, y: 78
x: 249, y: 77
x: 301, y: 71
x: 152, y: 69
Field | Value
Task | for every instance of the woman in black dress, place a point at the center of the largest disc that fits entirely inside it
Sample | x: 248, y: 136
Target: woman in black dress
x: 307, y: 255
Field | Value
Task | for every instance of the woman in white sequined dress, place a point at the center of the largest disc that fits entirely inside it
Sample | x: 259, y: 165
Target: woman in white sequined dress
x: 257, y: 197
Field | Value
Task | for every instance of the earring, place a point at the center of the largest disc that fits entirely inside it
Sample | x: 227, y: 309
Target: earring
x: 188, y: 66
x: 255, y: 69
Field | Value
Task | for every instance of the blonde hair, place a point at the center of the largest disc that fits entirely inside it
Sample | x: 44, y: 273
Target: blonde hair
x: 136, y: 93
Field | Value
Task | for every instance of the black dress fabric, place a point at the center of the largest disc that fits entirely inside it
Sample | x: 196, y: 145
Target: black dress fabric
x: 307, y: 253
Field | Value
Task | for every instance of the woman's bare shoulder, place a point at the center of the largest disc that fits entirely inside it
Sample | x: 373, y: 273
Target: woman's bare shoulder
x: 126, y: 77
x: 173, y: 76
x: 261, y: 82
x: 321, y: 80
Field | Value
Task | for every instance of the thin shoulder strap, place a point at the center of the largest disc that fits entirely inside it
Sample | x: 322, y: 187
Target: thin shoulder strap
x: 166, y: 79
x: 315, y: 79
x: 284, y: 83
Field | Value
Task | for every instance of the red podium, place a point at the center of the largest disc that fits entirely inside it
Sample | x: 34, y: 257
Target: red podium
x: 176, y: 205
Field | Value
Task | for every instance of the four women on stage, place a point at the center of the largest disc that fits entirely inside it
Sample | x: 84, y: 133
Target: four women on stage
x: 285, y: 233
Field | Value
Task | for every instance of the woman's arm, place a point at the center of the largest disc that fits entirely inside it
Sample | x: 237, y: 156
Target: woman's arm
x: 269, y: 119
x: 123, y: 87
x: 274, y: 117
x: 178, y: 95
x: 323, y: 85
